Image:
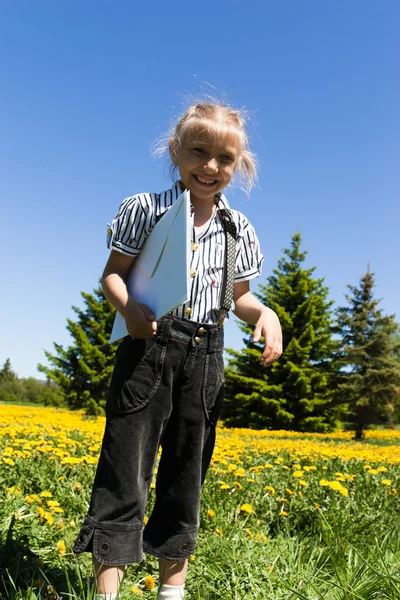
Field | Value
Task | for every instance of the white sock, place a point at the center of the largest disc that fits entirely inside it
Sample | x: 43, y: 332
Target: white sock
x: 171, y: 592
x: 109, y: 596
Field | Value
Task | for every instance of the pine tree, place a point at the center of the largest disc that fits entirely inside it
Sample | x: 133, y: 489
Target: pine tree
x: 369, y: 380
x: 83, y: 370
x: 295, y: 392
x: 6, y: 372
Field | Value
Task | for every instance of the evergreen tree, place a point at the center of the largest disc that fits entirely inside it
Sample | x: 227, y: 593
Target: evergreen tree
x: 6, y: 372
x: 295, y: 392
x: 369, y: 380
x: 83, y: 370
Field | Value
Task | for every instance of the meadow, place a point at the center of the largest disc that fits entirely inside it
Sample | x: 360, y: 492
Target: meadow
x: 284, y: 515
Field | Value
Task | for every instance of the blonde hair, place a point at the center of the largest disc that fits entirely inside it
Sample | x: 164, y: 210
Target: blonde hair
x: 232, y: 120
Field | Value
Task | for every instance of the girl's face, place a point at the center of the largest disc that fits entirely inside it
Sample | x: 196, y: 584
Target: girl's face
x: 206, y: 160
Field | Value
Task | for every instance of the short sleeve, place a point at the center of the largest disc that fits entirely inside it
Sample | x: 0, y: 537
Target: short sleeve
x: 248, y: 254
x: 131, y: 225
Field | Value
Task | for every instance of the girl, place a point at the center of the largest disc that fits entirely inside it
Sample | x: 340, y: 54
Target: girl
x: 167, y: 385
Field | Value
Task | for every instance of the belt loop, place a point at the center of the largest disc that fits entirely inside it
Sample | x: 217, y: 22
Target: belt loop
x: 163, y: 327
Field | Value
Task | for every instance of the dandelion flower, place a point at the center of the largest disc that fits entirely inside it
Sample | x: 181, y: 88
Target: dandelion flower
x: 61, y: 549
x: 248, y: 532
x: 211, y: 513
x: 247, y: 508
x: 219, y: 532
x: 149, y: 582
x: 386, y: 482
x: 238, y: 485
x: 136, y: 591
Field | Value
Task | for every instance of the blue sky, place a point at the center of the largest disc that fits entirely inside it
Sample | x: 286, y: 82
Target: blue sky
x: 88, y: 86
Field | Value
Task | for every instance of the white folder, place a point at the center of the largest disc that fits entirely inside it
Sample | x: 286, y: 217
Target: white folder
x: 160, y: 274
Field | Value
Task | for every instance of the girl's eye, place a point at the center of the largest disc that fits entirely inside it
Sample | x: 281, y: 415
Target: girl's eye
x: 226, y: 159
x: 199, y: 151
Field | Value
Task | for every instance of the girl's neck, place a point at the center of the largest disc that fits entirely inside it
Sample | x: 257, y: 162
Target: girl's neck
x: 203, y: 208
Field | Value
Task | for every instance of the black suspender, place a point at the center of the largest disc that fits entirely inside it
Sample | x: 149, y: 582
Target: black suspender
x: 229, y: 267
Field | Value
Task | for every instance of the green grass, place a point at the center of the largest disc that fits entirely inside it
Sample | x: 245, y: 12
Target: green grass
x: 324, y: 546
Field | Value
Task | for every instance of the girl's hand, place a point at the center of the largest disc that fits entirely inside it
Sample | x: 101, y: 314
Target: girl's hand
x: 140, y: 320
x: 269, y: 328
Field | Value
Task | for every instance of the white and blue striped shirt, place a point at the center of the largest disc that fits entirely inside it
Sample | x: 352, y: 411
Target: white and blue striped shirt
x: 137, y: 216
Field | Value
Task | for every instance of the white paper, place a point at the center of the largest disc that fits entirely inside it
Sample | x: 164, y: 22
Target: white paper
x: 160, y: 274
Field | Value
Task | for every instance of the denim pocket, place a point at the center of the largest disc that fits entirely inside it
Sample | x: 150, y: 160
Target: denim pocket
x: 137, y: 375
x: 213, y: 384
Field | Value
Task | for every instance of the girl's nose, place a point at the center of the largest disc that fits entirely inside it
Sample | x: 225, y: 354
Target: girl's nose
x: 211, y: 165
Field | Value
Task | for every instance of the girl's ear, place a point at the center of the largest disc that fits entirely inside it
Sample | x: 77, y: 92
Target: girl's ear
x: 172, y: 151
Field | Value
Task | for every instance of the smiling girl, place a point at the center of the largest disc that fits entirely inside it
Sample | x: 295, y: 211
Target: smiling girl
x: 167, y: 385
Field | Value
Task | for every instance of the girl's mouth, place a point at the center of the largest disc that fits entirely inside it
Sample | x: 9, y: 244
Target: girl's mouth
x: 203, y: 181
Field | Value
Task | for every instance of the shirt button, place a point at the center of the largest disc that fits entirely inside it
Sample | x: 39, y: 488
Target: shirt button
x: 197, y: 340
x: 200, y: 330
x: 195, y: 246
x: 187, y: 311
x: 193, y: 272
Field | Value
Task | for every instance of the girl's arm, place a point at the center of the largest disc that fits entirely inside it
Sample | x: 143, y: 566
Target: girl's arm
x: 252, y: 311
x: 140, y: 321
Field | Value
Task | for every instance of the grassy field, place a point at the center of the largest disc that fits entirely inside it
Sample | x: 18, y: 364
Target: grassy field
x: 284, y: 515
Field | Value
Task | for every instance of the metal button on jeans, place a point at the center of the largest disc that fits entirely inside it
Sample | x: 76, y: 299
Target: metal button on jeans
x: 200, y: 331
x: 184, y: 547
x: 105, y: 548
x: 197, y: 340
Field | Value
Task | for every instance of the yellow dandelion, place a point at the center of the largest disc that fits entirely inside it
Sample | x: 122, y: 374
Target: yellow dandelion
x: 211, y: 513
x: 46, y: 494
x: 386, y: 482
x: 219, y: 532
x: 61, y: 549
x: 270, y: 489
x: 289, y: 491
x: 136, y: 591
x: 248, y: 532
x: 41, y: 511
x: 145, y: 520
x: 281, y: 500
x: 237, y: 485
x: 192, y: 557
x: 393, y: 492
x: 72, y: 524
x: 224, y: 486
x: 283, y: 513
x: 52, y: 503
x: 77, y: 487
x: 247, y: 508
x: 373, y: 472
x: 303, y: 482
x: 240, y: 472
x: 149, y: 582
x: 49, y: 518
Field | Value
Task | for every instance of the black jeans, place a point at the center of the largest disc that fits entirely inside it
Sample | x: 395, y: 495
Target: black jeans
x: 164, y: 391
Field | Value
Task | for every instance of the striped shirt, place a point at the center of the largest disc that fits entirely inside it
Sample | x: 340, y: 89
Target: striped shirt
x: 137, y: 216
